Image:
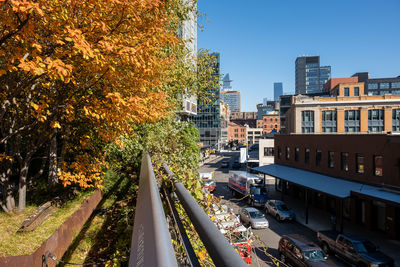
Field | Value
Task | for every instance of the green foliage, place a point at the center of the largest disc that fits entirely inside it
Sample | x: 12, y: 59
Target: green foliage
x: 166, y: 140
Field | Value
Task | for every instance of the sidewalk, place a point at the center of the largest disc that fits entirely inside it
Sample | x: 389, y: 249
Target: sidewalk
x: 211, y: 158
x: 319, y: 219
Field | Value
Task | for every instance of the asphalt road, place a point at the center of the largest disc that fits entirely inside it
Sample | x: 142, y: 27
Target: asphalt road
x: 269, y: 238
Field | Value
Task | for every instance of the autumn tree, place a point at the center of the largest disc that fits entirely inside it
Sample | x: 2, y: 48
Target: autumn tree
x: 80, y: 73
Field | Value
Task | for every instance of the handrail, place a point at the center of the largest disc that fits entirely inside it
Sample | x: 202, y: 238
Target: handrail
x: 218, y: 247
x: 151, y: 240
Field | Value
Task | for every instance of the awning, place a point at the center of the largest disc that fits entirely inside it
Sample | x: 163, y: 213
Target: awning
x: 327, y: 184
x: 378, y: 193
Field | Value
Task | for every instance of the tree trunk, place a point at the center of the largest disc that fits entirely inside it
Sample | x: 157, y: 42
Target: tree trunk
x: 22, y: 186
x: 8, y: 197
x: 53, y: 178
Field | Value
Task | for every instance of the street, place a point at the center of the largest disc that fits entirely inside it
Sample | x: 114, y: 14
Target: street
x: 268, y: 238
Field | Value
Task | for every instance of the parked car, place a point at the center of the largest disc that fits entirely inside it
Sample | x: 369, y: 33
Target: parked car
x: 353, y: 249
x: 296, y: 250
x: 253, y: 217
x: 279, y: 210
x: 225, y: 164
x: 236, y: 164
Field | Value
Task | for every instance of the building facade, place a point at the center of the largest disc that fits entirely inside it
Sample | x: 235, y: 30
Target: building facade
x: 208, y: 118
x: 232, y: 99
x: 237, y: 132
x: 310, y: 76
x: 243, y: 115
x: 188, y: 33
x: 270, y: 122
x: 361, y: 173
x: 278, y: 91
x: 253, y: 135
x: 343, y: 114
x: 225, y: 113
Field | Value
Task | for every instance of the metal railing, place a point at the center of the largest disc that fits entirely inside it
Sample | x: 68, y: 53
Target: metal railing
x: 151, y: 240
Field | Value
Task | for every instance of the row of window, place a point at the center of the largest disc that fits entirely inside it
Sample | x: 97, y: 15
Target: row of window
x: 384, y: 85
x: 237, y: 130
x: 384, y: 92
x: 356, y: 91
x: 271, y: 120
x: 344, y: 159
x: 376, y: 120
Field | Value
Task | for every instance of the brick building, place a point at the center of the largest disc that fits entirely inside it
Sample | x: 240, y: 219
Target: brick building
x: 270, y: 122
x: 237, y: 132
x: 355, y: 177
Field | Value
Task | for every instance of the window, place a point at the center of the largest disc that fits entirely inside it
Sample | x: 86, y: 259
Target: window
x: 287, y: 153
x: 236, y: 130
x: 396, y: 120
x: 360, y: 163
x: 378, y: 165
x: 296, y: 154
x: 307, y: 156
x: 375, y: 92
x: 236, y: 135
x: 396, y: 92
x: 346, y: 91
x: 318, y: 157
x: 307, y: 121
x: 352, y: 121
x: 356, y: 91
x: 279, y: 152
x: 396, y: 85
x: 373, y: 86
x: 331, y: 159
x: 268, y: 151
x: 376, y: 120
x: 329, y: 121
x: 344, y: 165
x: 384, y: 85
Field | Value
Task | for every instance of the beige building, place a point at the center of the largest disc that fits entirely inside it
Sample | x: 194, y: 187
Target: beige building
x: 253, y: 135
x: 344, y: 114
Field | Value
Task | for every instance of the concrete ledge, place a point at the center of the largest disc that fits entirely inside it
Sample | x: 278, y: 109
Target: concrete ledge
x: 60, y: 240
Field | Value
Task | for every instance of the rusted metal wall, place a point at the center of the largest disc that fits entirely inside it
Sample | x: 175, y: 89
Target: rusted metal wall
x: 59, y: 241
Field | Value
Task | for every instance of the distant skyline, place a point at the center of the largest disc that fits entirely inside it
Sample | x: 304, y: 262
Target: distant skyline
x: 259, y: 40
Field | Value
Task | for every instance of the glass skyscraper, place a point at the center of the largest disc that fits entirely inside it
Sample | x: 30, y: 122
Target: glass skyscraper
x: 310, y: 76
x: 278, y: 91
x: 208, y: 118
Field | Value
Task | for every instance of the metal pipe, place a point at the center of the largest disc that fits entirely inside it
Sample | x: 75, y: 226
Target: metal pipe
x: 151, y: 241
x: 220, y: 250
x: 218, y: 247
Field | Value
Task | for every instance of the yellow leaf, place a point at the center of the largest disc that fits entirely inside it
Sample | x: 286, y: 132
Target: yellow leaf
x: 36, y: 107
x: 56, y: 124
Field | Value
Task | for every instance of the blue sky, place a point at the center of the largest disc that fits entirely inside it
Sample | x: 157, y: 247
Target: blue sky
x: 259, y: 40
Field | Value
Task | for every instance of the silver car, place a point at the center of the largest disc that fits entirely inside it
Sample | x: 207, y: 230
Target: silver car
x: 279, y: 210
x: 253, y: 217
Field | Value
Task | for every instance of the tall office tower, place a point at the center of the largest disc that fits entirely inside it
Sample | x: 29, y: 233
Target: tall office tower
x: 208, y: 118
x: 278, y: 91
x: 232, y: 99
x: 226, y: 83
x: 188, y: 33
x: 230, y: 96
x: 310, y: 77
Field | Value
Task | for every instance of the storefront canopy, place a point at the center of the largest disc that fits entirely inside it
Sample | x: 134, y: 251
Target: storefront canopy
x: 327, y: 184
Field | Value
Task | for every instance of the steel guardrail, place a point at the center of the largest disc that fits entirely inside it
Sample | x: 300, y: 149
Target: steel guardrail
x: 151, y: 240
x: 220, y: 250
